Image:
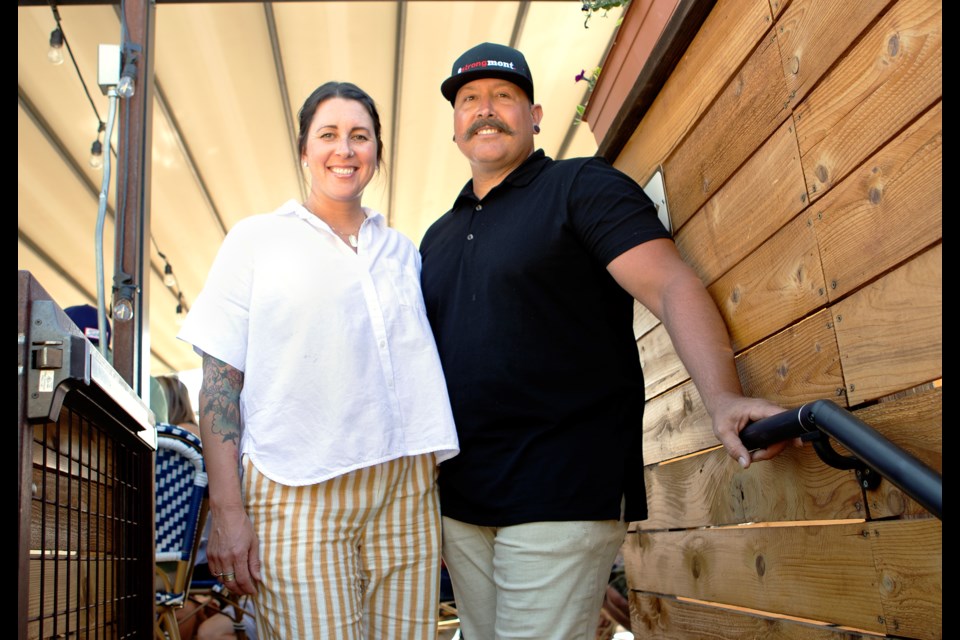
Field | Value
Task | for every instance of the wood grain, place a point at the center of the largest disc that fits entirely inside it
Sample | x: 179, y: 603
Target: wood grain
x: 82, y: 605
x: 774, y: 286
x: 801, y: 147
x: 662, y: 368
x: 892, y: 75
x: 727, y: 37
x: 909, y: 557
x: 814, y: 34
x: 759, y: 199
x: 748, y: 110
x: 72, y: 446
x: 676, y: 423
x: 655, y: 617
x: 822, y: 572
x: 710, y: 489
x: 71, y: 514
x: 800, y: 364
x: 890, y: 333
x: 886, y: 211
x: 643, y: 320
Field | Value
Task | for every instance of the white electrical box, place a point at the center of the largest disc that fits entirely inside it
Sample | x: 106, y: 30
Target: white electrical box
x: 108, y: 66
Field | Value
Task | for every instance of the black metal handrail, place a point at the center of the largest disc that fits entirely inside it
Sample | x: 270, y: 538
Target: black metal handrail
x: 873, y: 453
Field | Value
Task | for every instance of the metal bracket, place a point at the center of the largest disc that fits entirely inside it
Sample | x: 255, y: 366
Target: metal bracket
x: 821, y: 444
x: 658, y: 193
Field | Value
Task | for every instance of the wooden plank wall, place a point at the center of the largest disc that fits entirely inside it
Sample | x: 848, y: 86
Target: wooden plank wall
x: 800, y: 144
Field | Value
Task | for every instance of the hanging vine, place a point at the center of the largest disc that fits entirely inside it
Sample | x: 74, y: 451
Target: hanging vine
x: 591, y: 7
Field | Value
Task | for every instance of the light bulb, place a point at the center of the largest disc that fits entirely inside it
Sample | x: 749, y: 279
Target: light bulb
x: 127, y: 84
x: 96, y: 154
x: 123, y: 310
x: 55, y: 53
x: 168, y: 278
x: 181, y: 316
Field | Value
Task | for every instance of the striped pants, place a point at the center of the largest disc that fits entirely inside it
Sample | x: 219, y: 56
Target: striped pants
x: 354, y: 558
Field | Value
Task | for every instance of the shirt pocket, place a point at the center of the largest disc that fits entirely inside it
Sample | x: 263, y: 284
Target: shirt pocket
x: 405, y: 283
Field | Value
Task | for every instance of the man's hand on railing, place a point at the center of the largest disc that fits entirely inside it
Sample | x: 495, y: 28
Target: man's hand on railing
x: 734, y: 413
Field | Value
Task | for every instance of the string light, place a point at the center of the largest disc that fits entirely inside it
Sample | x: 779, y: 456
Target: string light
x: 127, y: 84
x: 96, y: 149
x: 123, y: 306
x: 168, y: 278
x: 181, y: 309
x: 170, y: 281
x: 123, y: 309
x: 55, y: 52
x: 96, y: 154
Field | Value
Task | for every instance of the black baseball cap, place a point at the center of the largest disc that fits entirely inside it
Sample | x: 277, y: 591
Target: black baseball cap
x: 86, y: 318
x: 488, y: 60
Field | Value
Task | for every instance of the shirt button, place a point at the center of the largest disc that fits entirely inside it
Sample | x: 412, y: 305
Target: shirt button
x: 469, y: 236
x: 479, y: 207
x: 383, y: 344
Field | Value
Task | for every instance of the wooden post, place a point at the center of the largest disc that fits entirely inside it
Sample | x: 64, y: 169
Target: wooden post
x: 131, y: 338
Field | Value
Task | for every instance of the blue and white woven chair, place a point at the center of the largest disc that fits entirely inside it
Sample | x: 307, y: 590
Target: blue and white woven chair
x: 181, y: 510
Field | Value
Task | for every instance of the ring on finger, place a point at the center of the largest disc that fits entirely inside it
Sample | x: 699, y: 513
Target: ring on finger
x: 228, y: 577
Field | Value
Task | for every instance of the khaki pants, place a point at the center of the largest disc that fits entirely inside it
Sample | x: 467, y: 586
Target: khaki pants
x: 543, y: 580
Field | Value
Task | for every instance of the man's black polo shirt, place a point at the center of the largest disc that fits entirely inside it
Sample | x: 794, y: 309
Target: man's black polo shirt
x: 537, y: 344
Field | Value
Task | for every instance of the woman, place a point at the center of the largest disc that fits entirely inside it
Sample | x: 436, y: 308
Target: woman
x: 179, y: 407
x: 180, y: 413
x: 323, y: 408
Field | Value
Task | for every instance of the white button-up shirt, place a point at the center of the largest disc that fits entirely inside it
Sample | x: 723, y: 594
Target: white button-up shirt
x: 340, y: 366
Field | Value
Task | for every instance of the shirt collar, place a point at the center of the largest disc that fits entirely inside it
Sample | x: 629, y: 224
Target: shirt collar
x: 294, y: 208
x: 519, y: 177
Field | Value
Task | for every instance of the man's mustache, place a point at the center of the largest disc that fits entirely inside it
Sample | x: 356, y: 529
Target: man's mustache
x: 496, y: 123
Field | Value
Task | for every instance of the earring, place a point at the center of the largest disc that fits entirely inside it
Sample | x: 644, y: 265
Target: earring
x: 305, y: 165
x: 536, y: 128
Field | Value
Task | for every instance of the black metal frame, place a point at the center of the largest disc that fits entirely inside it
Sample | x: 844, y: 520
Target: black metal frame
x: 86, y: 446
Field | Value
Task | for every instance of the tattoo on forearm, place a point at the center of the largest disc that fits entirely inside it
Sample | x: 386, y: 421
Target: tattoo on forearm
x: 220, y: 399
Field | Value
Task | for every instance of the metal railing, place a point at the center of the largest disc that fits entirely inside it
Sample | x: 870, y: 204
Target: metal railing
x: 873, y: 455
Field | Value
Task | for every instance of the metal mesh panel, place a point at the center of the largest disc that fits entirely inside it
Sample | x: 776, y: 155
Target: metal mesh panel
x: 86, y: 515
x: 85, y: 446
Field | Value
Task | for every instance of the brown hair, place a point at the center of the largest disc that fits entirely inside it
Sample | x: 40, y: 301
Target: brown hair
x: 347, y: 91
x: 179, y: 408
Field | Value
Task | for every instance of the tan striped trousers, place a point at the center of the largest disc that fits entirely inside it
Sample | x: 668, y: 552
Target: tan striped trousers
x: 354, y: 558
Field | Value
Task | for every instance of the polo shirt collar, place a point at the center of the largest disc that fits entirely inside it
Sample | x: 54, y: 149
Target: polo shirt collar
x: 519, y: 177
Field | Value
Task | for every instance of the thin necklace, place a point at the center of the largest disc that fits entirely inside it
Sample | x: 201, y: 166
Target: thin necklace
x: 351, y: 238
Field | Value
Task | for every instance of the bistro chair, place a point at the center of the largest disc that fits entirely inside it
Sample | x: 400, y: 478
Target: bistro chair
x: 181, y: 510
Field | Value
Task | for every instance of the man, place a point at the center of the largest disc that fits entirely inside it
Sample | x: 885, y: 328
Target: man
x: 529, y: 283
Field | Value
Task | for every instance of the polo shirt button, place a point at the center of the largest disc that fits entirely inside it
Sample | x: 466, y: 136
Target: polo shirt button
x: 479, y: 207
x: 469, y: 236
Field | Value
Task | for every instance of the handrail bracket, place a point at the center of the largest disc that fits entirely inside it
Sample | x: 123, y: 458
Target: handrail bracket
x: 866, y: 477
